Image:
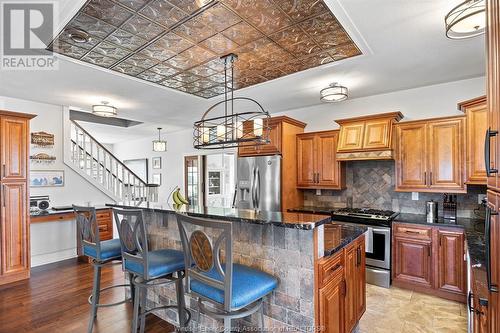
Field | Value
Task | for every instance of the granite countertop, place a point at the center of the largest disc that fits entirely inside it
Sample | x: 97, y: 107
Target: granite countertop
x: 295, y: 220
x: 473, y: 228
x: 339, y: 235
x: 313, y: 210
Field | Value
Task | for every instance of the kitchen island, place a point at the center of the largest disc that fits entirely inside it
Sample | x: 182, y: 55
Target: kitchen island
x: 304, y: 251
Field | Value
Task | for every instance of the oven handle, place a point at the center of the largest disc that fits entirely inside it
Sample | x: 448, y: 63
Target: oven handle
x: 369, y: 240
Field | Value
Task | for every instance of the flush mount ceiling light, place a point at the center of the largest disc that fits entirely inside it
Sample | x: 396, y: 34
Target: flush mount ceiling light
x: 78, y: 35
x: 333, y: 93
x: 159, y: 145
x: 466, y: 20
x: 104, y: 110
x: 234, y: 121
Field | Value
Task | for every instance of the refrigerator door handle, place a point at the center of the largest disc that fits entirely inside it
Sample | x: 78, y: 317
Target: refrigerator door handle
x: 487, y: 234
x: 254, y: 186
x: 234, y: 196
x: 257, y: 188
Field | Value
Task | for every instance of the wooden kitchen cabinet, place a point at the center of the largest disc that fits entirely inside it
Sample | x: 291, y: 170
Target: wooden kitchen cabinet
x: 317, y: 166
x: 451, y: 262
x: 355, y: 277
x: 476, y: 113
x: 273, y: 147
x: 14, y: 220
x: 412, y: 261
x: 331, y: 303
x: 341, y: 289
x: 367, y: 133
x: 430, y: 260
x: 430, y: 156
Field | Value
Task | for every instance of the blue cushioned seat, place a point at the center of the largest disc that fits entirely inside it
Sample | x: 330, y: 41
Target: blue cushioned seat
x: 109, y: 249
x: 249, y: 285
x: 160, y: 262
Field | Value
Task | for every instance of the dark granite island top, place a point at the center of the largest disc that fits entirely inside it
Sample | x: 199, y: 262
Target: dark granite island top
x: 304, y: 221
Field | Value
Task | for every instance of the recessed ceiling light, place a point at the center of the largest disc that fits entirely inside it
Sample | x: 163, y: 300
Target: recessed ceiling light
x: 466, y: 20
x: 104, y: 110
x: 78, y: 35
x: 333, y: 93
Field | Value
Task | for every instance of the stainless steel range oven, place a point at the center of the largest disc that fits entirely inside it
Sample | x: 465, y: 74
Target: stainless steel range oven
x: 378, y: 240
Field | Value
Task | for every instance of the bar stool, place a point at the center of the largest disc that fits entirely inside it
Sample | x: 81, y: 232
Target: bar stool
x: 235, y: 289
x: 149, y: 268
x: 100, y: 252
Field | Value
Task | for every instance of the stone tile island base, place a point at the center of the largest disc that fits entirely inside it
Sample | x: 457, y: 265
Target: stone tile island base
x: 286, y: 253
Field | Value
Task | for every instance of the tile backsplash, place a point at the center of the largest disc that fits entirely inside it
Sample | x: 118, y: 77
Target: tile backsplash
x: 371, y: 184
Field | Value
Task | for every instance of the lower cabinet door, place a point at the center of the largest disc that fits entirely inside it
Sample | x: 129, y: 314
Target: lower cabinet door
x: 14, y: 231
x: 451, y: 262
x: 351, y: 271
x: 412, y: 261
x: 331, y: 304
x: 361, y: 280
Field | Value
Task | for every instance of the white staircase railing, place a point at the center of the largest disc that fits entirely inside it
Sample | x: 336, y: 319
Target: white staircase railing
x: 98, y: 165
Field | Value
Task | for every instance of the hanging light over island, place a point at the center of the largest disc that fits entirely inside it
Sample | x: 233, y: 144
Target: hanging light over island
x: 234, y: 121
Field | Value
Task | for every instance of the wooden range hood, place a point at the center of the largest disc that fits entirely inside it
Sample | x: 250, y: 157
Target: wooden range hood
x: 367, y: 137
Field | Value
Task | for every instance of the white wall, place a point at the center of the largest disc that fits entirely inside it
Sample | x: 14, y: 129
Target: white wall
x: 54, y: 241
x: 419, y: 103
x: 179, y: 144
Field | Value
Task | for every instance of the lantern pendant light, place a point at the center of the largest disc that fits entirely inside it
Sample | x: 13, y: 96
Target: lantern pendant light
x: 159, y: 145
x: 234, y: 121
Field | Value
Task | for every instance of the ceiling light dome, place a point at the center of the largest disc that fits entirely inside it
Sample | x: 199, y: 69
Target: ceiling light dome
x: 334, y: 93
x: 466, y: 20
x: 78, y: 35
x: 104, y: 110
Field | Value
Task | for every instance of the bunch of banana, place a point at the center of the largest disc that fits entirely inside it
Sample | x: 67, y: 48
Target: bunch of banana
x: 178, y: 198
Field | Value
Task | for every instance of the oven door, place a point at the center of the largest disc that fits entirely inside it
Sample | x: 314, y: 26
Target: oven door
x: 378, y: 249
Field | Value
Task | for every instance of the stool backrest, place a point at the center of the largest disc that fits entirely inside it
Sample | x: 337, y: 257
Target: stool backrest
x: 133, y: 237
x: 202, y: 253
x: 88, y: 228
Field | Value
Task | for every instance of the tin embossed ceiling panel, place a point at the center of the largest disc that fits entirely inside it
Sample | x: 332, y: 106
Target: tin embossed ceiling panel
x: 178, y: 43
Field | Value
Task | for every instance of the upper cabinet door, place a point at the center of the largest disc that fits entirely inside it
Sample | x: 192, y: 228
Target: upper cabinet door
x: 377, y: 134
x: 14, y: 148
x: 351, y: 136
x: 477, y: 124
x: 306, y: 160
x: 411, y: 157
x: 328, y: 168
x: 446, y: 147
x: 273, y: 147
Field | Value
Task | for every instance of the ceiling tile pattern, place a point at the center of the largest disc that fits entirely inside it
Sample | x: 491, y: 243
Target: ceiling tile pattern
x: 178, y: 43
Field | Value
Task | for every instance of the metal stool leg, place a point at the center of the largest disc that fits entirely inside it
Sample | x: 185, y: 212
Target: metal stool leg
x: 179, y: 290
x: 261, y: 318
x: 132, y: 286
x: 227, y: 325
x: 143, y: 299
x: 95, y: 297
x: 135, y: 315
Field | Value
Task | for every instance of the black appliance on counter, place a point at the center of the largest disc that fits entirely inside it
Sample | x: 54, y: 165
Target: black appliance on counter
x: 378, y: 240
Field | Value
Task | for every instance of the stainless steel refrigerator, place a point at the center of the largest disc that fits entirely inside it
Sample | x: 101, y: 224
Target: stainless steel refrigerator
x: 258, y: 183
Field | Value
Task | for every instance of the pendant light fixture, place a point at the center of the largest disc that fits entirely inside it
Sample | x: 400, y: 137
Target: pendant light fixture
x: 466, y: 20
x: 159, y: 145
x: 234, y: 121
x: 333, y: 93
x: 104, y: 110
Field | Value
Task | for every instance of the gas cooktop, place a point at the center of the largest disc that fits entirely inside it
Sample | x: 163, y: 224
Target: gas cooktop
x: 365, y: 215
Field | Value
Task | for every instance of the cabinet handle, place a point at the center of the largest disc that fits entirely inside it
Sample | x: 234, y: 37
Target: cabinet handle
x: 469, y: 302
x: 3, y: 170
x: 428, y: 251
x: 344, y: 284
x: 489, y: 134
x: 3, y: 196
x: 425, y: 177
x: 430, y: 178
x: 358, y: 259
x: 412, y: 232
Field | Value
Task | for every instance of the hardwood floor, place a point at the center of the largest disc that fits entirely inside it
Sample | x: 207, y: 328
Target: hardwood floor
x: 55, y: 300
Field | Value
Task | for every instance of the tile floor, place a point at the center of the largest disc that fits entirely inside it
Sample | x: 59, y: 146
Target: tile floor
x: 397, y: 310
